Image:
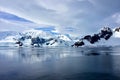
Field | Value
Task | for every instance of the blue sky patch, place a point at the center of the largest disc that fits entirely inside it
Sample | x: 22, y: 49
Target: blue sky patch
x: 46, y: 28
x: 8, y: 16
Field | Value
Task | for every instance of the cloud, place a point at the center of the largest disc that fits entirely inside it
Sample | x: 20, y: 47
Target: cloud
x: 116, y: 17
x: 10, y: 22
x: 11, y: 25
x: 68, y: 16
x: 111, y: 21
x: 7, y: 25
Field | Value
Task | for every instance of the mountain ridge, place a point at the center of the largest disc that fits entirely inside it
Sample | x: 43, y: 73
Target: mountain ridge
x: 43, y: 38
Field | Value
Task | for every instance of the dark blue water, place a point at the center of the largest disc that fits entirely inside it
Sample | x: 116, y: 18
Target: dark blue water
x: 60, y: 63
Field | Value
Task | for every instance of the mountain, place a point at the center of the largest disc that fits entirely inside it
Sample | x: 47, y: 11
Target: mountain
x: 44, y: 38
x: 37, y: 38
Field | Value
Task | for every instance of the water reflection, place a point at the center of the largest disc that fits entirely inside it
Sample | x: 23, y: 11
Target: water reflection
x: 60, y: 63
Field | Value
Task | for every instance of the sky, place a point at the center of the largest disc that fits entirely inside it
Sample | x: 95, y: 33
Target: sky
x: 74, y: 17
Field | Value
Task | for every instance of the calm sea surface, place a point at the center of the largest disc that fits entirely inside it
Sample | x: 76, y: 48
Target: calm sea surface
x: 60, y: 63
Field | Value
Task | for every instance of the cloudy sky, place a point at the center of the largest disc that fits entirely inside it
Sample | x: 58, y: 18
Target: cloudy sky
x: 75, y: 17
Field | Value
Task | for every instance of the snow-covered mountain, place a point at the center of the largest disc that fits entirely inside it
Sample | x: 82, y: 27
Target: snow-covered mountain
x: 114, y: 40
x: 105, y: 37
x: 43, y: 38
x: 30, y: 36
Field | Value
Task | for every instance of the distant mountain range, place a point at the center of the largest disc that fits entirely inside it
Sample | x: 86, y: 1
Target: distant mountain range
x: 35, y: 37
x: 26, y: 37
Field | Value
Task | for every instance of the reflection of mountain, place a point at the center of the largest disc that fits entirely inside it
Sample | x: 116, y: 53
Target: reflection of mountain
x: 44, y: 38
x: 32, y: 55
x: 42, y: 55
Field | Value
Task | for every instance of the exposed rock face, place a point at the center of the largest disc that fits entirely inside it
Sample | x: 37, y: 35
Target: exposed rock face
x: 38, y: 41
x: 117, y: 29
x: 105, y: 33
x: 78, y: 43
x: 20, y: 43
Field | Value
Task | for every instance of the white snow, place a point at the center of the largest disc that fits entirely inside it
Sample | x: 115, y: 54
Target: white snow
x: 64, y: 37
x: 117, y: 35
x: 37, y: 33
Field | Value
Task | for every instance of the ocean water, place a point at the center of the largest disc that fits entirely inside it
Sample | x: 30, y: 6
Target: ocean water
x: 60, y: 63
